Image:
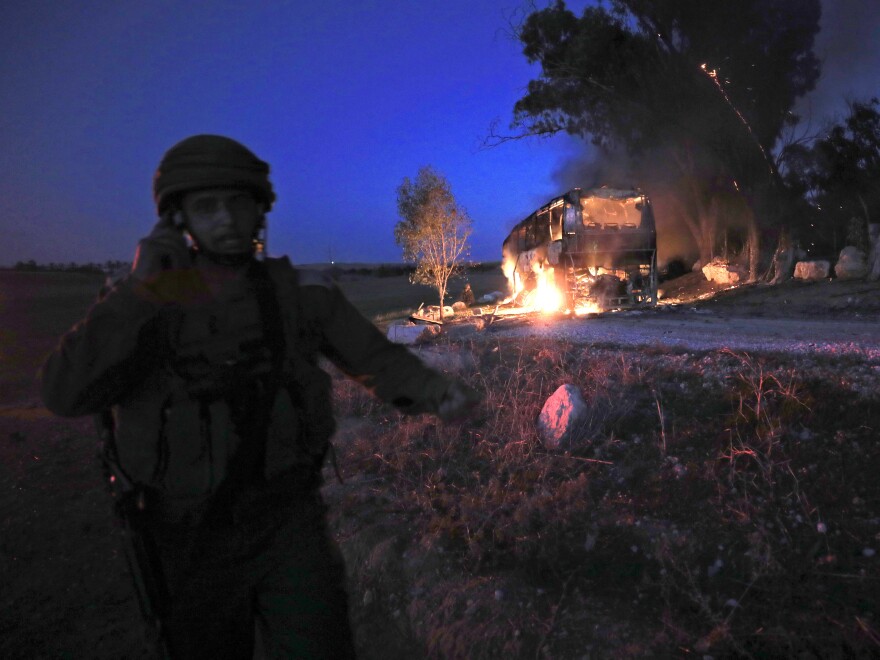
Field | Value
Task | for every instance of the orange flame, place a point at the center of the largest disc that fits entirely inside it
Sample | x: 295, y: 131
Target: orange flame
x: 547, y: 298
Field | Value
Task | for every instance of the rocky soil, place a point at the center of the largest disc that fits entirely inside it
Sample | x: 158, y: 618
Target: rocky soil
x: 417, y: 590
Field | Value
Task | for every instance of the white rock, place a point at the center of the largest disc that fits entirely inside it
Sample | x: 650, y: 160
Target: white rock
x: 722, y: 272
x: 562, y: 417
x: 851, y: 264
x: 811, y: 270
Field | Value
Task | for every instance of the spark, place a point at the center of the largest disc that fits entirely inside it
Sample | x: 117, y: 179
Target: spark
x: 713, y: 76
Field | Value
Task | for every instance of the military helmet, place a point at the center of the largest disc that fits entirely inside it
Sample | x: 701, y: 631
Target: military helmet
x: 210, y: 161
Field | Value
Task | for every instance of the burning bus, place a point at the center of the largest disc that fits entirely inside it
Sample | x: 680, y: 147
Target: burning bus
x: 587, y: 250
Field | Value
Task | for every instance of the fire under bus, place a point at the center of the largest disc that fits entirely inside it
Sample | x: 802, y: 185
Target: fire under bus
x: 585, y: 251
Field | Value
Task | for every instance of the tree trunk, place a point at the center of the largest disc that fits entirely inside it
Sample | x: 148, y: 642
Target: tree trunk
x: 783, y: 258
x: 754, y: 249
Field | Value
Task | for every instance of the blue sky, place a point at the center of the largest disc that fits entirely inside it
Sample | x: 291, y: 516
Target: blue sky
x: 343, y: 99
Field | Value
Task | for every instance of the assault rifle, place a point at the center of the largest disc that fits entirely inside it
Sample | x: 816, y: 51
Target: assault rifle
x: 131, y: 508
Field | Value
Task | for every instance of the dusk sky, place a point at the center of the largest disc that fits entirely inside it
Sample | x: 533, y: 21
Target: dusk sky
x: 343, y: 99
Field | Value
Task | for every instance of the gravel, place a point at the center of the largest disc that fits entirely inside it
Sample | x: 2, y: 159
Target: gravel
x: 704, y: 330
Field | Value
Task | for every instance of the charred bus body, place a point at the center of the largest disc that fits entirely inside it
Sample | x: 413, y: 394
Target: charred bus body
x: 597, y: 246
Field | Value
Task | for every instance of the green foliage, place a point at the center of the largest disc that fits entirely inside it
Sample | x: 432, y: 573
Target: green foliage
x: 649, y: 71
x: 433, y: 230
x: 838, y: 176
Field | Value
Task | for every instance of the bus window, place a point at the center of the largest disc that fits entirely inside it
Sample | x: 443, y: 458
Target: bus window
x: 556, y: 224
x: 572, y: 218
x: 540, y: 229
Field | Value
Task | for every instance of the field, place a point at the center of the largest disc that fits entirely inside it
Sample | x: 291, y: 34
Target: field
x: 717, y: 504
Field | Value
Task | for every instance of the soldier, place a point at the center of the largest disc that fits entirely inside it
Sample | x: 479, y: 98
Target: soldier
x: 467, y: 295
x: 203, y: 363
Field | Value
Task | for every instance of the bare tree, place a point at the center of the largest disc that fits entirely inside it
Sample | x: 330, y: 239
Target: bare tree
x: 433, y: 230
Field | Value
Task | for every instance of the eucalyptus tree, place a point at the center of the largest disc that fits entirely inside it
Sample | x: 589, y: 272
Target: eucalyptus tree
x: 704, y: 88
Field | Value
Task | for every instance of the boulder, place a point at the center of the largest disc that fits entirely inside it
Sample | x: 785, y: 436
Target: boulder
x: 811, y: 270
x: 412, y: 334
x: 459, y: 306
x: 722, y: 272
x: 851, y: 264
x: 562, y: 418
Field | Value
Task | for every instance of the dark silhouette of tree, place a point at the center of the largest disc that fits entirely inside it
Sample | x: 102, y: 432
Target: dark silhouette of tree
x: 697, y: 92
x: 843, y: 179
x: 433, y: 230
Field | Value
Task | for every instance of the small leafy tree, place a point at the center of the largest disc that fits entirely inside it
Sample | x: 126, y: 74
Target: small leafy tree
x: 433, y: 230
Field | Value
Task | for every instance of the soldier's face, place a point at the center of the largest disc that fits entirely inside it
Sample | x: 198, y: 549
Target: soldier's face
x: 222, y: 220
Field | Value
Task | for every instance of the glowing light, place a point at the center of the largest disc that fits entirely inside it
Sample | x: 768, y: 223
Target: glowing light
x: 589, y: 308
x: 713, y: 76
x: 547, y: 297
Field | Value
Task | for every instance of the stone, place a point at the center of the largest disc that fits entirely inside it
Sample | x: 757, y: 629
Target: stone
x: 851, y: 264
x: 459, y: 306
x: 722, y: 272
x: 812, y: 270
x: 562, y: 417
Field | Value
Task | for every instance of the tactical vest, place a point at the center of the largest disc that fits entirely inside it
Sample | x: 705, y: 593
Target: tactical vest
x: 241, y: 395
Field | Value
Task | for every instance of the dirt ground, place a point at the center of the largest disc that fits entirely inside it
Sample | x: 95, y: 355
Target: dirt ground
x: 829, y: 298
x: 65, y: 590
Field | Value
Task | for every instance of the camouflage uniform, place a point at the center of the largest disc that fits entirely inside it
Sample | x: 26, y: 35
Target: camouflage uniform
x: 222, y: 413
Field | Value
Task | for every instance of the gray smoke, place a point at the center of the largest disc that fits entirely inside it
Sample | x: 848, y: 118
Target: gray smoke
x: 848, y: 46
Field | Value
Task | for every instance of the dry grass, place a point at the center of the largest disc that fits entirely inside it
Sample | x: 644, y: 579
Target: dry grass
x: 715, y: 503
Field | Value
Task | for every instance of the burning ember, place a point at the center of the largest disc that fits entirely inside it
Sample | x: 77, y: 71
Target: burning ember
x: 545, y: 297
x: 583, y: 252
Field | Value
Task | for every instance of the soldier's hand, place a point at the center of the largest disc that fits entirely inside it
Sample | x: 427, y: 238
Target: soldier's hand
x: 164, y: 249
x: 458, y: 402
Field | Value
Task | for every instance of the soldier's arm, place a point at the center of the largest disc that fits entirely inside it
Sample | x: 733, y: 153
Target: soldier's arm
x: 98, y: 361
x: 357, y: 347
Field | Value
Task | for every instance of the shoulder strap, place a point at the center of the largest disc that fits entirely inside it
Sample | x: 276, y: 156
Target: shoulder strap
x: 250, y: 459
